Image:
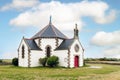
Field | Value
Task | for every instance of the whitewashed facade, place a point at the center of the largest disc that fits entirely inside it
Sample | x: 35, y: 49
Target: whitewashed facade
x: 50, y: 41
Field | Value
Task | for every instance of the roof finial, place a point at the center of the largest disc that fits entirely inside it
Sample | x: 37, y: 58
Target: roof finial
x: 76, y: 26
x: 50, y: 19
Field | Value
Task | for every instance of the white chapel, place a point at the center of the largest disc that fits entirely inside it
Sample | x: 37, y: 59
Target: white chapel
x: 50, y: 41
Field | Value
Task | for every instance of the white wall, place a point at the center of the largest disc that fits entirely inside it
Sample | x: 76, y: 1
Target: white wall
x: 51, y: 42
x: 48, y: 41
x: 23, y: 61
x: 63, y: 57
x: 35, y: 55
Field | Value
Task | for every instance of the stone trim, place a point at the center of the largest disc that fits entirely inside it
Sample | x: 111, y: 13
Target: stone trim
x: 29, y: 58
x: 56, y: 42
x: 68, y: 57
x: 39, y: 43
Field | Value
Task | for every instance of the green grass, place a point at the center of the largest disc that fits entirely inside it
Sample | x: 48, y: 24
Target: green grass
x: 39, y: 73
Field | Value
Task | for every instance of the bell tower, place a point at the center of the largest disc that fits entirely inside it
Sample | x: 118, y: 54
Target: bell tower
x: 76, y: 31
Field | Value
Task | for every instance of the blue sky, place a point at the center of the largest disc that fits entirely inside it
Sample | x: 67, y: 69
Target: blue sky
x: 98, y: 22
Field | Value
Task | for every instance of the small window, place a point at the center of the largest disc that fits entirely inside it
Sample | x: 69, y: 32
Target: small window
x: 23, y: 51
x: 48, y: 49
x: 76, y: 48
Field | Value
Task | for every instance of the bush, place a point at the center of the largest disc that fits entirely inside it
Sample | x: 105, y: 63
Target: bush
x: 1, y: 61
x: 15, y: 61
x: 53, y: 61
x: 43, y: 61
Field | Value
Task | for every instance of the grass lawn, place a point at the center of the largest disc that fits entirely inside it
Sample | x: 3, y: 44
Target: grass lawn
x: 107, y: 72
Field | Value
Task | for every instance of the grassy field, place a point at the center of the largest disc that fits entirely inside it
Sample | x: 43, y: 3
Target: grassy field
x: 7, y: 60
x: 106, y: 72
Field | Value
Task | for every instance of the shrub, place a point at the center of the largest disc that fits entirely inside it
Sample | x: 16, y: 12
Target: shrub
x: 43, y: 61
x: 53, y: 61
x: 15, y: 61
x: 1, y: 61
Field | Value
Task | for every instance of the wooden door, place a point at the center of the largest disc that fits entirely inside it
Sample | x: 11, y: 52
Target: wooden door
x: 76, y: 61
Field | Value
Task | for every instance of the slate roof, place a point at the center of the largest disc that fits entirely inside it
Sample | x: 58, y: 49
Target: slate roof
x: 65, y: 44
x: 50, y: 31
x: 31, y: 44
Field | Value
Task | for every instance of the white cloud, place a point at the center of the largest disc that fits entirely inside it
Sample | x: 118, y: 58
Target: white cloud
x: 65, y: 15
x: 113, y: 52
x: 19, y: 4
x: 106, y: 39
x: 106, y: 19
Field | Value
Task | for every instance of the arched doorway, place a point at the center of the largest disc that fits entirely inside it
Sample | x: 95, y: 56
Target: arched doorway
x: 48, y: 50
x: 76, y: 61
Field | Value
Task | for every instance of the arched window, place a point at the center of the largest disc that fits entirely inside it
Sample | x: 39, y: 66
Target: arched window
x: 48, y: 49
x: 23, y: 51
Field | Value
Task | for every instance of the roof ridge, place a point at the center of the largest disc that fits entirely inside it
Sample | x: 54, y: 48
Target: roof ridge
x: 28, y: 38
x: 54, y: 29
x: 41, y: 31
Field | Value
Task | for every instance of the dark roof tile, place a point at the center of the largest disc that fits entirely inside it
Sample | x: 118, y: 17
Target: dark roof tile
x: 50, y: 31
x: 65, y: 44
x: 32, y: 45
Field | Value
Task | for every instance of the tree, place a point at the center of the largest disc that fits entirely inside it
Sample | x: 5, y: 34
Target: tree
x: 15, y: 61
x: 1, y: 61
